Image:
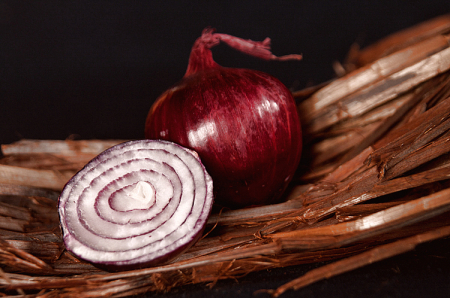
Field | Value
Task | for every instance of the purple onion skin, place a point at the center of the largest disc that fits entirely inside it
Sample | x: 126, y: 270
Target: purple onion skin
x: 243, y: 124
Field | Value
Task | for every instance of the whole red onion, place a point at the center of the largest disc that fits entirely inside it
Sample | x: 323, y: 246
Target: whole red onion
x: 243, y: 123
x: 136, y: 204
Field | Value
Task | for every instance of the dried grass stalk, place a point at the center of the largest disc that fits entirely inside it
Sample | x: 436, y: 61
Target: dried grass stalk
x: 366, y: 258
x: 379, y: 70
x: 36, y: 178
x: 66, y: 149
x: 318, y: 118
x: 403, y: 39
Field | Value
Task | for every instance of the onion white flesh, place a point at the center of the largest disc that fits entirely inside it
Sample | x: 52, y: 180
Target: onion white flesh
x: 136, y: 204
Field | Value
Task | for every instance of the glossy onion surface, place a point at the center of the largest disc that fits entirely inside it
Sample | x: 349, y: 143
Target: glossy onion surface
x: 136, y: 204
x: 243, y: 124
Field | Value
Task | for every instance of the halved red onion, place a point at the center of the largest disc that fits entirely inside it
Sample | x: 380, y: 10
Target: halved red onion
x: 136, y: 204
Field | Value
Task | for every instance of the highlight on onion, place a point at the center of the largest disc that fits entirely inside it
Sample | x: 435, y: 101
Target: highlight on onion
x: 243, y: 123
x: 136, y: 204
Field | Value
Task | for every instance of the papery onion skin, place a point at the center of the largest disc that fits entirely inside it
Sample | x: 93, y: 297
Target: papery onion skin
x: 243, y: 123
x: 101, y: 225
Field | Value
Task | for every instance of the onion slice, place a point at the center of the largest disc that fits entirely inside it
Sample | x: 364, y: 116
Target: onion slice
x: 136, y: 204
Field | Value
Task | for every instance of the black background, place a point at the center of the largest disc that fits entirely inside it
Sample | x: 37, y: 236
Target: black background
x: 91, y: 69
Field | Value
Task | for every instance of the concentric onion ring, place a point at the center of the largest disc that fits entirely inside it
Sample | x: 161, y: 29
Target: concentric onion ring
x: 136, y: 204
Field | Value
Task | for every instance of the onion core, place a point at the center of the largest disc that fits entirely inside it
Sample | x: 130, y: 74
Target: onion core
x: 136, y: 204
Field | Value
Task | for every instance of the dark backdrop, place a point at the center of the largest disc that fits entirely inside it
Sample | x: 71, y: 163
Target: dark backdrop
x: 91, y: 69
